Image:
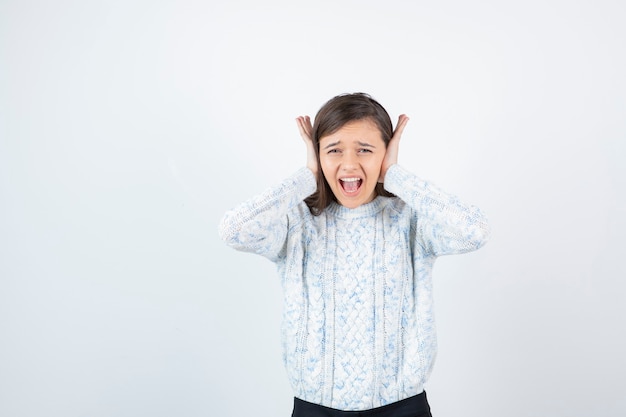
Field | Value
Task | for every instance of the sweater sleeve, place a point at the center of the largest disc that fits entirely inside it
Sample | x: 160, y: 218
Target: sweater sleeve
x: 444, y: 225
x: 260, y: 225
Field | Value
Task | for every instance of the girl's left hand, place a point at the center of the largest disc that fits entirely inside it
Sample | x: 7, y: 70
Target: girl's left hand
x: 391, y: 155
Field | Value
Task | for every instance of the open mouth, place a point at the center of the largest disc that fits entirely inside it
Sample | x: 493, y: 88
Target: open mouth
x: 350, y: 185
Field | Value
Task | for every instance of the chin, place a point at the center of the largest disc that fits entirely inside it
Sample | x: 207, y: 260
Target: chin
x: 354, y: 203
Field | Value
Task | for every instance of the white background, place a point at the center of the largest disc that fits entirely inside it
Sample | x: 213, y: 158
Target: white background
x: 127, y: 129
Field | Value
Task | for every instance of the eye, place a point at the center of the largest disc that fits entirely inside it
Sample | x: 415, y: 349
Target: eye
x: 335, y: 150
x: 365, y: 150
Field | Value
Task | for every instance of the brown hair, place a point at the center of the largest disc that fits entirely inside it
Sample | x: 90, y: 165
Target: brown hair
x: 333, y: 115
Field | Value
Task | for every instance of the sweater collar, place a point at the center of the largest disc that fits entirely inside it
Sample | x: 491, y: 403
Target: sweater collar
x: 364, y: 210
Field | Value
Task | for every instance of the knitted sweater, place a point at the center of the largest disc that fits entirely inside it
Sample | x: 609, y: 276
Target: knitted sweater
x: 358, y: 329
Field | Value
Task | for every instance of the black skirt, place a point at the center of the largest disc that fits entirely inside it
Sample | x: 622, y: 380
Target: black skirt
x: 416, y: 406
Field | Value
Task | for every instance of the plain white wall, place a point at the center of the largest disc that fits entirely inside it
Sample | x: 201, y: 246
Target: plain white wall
x: 127, y: 128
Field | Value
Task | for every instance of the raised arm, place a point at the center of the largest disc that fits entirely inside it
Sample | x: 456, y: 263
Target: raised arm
x: 260, y: 225
x: 445, y: 225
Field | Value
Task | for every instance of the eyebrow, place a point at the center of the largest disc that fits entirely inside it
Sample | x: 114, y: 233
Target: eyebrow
x: 363, y: 144
x: 330, y: 145
x: 366, y: 145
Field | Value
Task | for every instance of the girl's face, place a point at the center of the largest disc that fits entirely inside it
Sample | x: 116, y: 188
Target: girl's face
x: 351, y: 159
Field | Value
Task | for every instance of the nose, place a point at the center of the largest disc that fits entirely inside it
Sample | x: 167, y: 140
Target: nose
x: 349, y: 162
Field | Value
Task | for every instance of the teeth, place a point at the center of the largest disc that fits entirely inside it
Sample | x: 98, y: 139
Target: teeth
x: 350, y: 179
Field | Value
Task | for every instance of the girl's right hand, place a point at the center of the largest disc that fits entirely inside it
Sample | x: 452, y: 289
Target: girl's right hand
x: 306, y: 131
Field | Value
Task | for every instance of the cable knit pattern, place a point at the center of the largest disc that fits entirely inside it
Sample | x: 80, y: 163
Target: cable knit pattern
x: 358, y: 329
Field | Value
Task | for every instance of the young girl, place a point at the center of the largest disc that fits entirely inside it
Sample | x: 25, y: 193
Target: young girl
x: 355, y: 236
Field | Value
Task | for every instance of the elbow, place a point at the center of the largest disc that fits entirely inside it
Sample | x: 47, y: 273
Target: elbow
x: 484, y: 237
x: 477, y: 232
x: 482, y: 232
x: 229, y: 230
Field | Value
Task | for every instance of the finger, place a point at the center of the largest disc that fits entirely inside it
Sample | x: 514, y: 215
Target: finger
x: 402, y: 121
x: 309, y: 126
x: 304, y: 124
x: 300, y: 122
x: 303, y: 120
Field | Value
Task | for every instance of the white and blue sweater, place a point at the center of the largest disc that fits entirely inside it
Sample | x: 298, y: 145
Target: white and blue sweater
x: 358, y: 329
